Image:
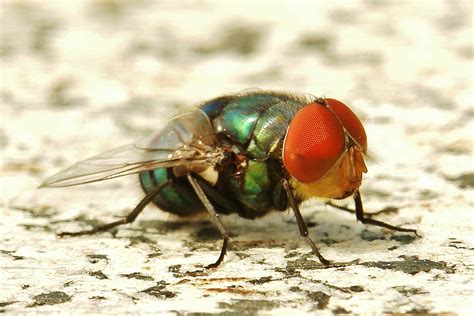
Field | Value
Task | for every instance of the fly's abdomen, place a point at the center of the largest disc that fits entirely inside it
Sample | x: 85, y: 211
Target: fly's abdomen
x: 175, y: 197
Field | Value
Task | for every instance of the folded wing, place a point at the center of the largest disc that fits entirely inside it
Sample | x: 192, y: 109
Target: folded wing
x: 188, y: 138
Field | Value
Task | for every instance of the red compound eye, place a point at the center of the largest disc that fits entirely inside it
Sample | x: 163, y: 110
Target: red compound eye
x: 350, y: 121
x: 314, y: 142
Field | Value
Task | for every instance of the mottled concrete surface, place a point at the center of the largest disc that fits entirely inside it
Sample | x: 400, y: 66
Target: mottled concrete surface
x: 81, y: 77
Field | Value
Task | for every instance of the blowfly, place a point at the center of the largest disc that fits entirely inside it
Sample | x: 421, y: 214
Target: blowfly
x: 247, y: 153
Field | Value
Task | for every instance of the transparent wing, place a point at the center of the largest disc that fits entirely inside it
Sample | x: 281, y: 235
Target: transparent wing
x: 187, y: 139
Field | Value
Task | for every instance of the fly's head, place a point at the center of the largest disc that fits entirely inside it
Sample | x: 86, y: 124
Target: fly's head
x: 324, y: 150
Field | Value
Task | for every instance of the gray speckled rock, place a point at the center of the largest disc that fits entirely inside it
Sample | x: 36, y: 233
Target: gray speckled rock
x: 81, y: 77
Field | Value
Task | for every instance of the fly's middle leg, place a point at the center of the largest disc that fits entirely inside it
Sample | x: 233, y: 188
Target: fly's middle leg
x: 128, y: 219
x: 214, y: 217
x: 302, y: 225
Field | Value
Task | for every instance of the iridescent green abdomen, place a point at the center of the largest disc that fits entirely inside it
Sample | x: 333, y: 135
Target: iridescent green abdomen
x: 252, y: 126
x: 176, y: 196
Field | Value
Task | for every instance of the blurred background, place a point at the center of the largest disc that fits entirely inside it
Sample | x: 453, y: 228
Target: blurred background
x: 80, y: 77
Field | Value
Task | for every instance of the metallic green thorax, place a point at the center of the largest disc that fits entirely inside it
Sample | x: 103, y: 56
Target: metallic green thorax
x: 254, y: 126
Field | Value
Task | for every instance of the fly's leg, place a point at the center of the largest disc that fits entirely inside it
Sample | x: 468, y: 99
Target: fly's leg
x: 343, y: 208
x: 215, y: 218
x: 302, y: 225
x: 359, y: 211
x: 128, y: 219
x: 349, y: 210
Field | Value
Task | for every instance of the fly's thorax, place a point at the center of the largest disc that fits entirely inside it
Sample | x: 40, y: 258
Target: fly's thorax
x: 340, y: 182
x: 256, y: 122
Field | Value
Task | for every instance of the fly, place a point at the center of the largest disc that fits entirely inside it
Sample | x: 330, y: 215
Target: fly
x: 248, y: 153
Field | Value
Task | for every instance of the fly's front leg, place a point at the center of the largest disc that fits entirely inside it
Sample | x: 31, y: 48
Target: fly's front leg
x: 301, y: 224
x: 215, y: 218
x: 128, y: 219
x: 359, y: 211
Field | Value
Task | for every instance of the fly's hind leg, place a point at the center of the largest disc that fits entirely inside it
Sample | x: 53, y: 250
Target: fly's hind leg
x: 215, y: 218
x: 302, y: 225
x: 359, y: 212
x: 128, y: 219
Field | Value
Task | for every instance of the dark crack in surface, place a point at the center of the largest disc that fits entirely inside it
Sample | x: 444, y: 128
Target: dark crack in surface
x: 11, y: 254
x: 341, y: 310
x: 160, y: 291
x: 464, y: 181
x: 458, y: 244
x: 310, y: 262
x: 403, y: 239
x: 320, y: 298
x: 138, y: 276
x: 95, y: 258
x: 262, y: 280
x: 99, y: 275
x: 248, y: 307
x: 140, y: 239
x: 51, y: 298
x: 369, y: 235
x: 6, y: 303
x: 410, y: 265
x: 409, y: 291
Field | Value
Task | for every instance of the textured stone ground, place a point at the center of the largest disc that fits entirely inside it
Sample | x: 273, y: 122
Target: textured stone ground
x: 81, y: 77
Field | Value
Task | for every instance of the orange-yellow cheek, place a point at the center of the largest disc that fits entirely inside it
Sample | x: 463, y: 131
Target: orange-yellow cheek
x: 340, y: 182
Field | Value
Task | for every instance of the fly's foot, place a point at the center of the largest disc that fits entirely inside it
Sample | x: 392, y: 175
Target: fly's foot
x: 370, y: 221
x: 79, y: 233
x: 127, y: 220
x: 99, y: 229
x: 65, y: 234
x: 221, y: 255
x: 334, y: 264
x: 212, y: 266
x: 366, y: 218
x: 315, y: 250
